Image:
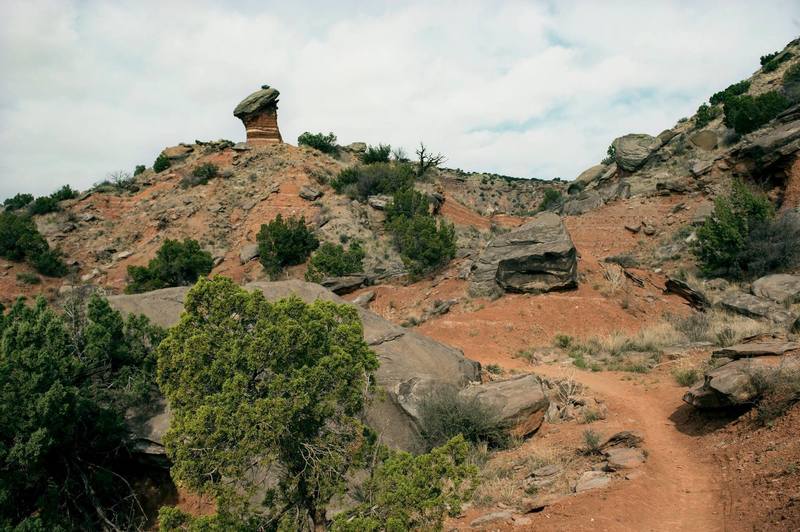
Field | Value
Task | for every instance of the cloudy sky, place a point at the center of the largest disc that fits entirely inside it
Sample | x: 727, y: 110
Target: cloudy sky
x: 530, y: 89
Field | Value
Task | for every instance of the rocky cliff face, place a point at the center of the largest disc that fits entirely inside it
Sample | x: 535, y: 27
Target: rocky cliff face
x: 694, y: 156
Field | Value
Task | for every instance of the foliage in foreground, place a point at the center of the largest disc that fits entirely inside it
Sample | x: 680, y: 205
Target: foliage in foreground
x: 176, y: 264
x: 67, y: 382
x: 744, y: 239
x: 255, y: 385
x: 424, y: 243
x: 20, y: 240
x: 407, y: 492
x: 285, y: 242
x: 332, y: 260
x: 319, y: 141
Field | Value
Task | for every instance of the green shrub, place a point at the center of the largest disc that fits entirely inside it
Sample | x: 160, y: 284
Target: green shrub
x: 737, y: 89
x: 376, y: 154
x: 175, y: 264
x: 201, y: 175
x: 767, y: 58
x: 17, y: 202
x: 162, y: 163
x: 552, y: 200
x: 362, y: 181
x: 284, y: 243
x: 331, y: 260
x: 407, y: 492
x: 611, y: 154
x: 67, y: 385
x: 140, y: 168
x: 424, y: 243
x: 775, y: 61
x: 445, y: 414
x: 748, y: 113
x: 43, y: 205
x: 20, y: 240
x: 705, y: 114
x: 686, y: 376
x: 265, y: 386
x: 723, y: 239
x: 319, y: 141
x: 563, y: 341
x: 64, y: 193
x: 773, y: 245
x: 592, y: 441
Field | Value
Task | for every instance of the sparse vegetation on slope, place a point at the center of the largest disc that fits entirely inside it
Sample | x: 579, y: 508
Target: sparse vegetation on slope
x: 360, y: 182
x: 285, y: 242
x: 744, y: 239
x: 424, y: 243
x: 332, y: 260
x: 20, y: 240
x: 319, y: 141
x: 176, y: 264
x: 376, y: 154
x: 747, y: 113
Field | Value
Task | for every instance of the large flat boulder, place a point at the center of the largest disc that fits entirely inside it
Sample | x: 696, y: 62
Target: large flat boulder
x: 755, y: 307
x: 405, y: 357
x: 779, y: 287
x: 520, y: 402
x: 537, y: 257
x: 631, y: 151
x: 770, y: 347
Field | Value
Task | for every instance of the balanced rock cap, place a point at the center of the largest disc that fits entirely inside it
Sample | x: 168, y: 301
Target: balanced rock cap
x: 257, y: 102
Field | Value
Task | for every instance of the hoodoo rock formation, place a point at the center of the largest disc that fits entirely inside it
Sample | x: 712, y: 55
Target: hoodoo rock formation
x: 259, y: 113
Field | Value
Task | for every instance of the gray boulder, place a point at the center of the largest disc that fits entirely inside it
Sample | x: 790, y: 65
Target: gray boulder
x: 631, y: 151
x: 779, y: 287
x: 755, y: 307
x: 705, y: 140
x: 309, y: 193
x: 591, y: 480
x: 590, y: 174
x: 344, y: 284
x: 520, y: 402
x: 405, y: 356
x: 537, y: 257
x: 248, y: 253
x: 732, y: 384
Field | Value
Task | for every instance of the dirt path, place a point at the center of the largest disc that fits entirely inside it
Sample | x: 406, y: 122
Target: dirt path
x: 677, y: 490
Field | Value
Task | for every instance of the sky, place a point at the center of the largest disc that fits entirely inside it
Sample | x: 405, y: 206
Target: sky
x: 528, y: 89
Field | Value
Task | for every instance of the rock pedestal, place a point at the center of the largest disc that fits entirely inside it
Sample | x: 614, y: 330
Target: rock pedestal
x: 259, y: 113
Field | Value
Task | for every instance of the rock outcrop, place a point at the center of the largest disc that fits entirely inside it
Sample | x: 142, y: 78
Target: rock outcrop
x: 537, y: 257
x: 406, y: 359
x: 733, y: 384
x: 631, y: 151
x: 259, y: 113
x: 780, y: 287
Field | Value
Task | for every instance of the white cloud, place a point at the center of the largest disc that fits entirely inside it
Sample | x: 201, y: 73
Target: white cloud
x: 534, y: 89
